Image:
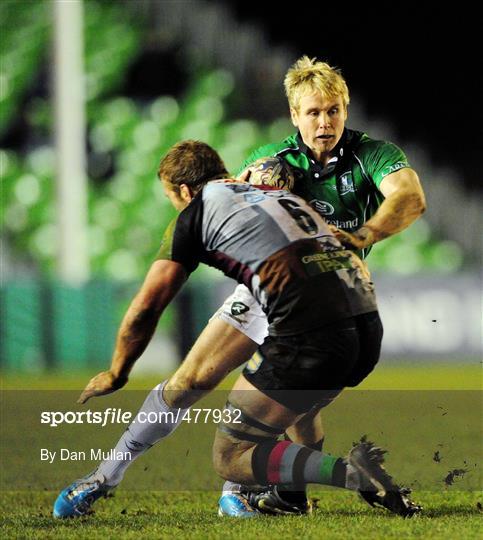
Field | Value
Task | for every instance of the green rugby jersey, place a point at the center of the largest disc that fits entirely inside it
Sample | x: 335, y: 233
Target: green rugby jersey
x: 346, y: 191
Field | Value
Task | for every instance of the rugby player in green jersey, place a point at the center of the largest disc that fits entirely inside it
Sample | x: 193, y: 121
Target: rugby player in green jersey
x: 362, y: 186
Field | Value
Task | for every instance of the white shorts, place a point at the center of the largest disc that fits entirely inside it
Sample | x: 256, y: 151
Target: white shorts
x: 244, y: 313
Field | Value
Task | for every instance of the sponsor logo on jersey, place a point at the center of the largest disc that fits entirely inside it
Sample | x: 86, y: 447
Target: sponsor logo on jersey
x: 238, y: 188
x: 254, y: 198
x: 323, y: 207
x: 327, y: 262
x: 346, y: 183
x: 349, y: 224
x: 394, y: 168
x: 237, y: 308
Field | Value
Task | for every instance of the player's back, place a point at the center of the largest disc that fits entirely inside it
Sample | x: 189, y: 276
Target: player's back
x: 275, y: 243
x: 279, y: 247
x: 249, y: 223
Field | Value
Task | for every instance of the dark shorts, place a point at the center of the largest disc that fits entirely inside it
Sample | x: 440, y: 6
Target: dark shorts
x: 308, y: 369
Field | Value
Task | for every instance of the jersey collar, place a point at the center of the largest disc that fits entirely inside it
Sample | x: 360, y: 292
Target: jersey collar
x: 317, y: 167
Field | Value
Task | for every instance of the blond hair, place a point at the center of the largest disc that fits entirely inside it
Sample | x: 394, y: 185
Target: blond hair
x: 309, y: 76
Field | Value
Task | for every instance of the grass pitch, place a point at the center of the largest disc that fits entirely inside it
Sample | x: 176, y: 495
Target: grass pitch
x: 414, y: 412
x: 137, y: 515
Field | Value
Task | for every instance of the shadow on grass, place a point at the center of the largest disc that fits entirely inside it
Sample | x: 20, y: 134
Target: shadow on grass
x: 454, y: 510
x: 443, y: 510
x: 119, y: 519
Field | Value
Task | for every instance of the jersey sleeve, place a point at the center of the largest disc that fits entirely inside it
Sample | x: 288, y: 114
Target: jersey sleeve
x: 383, y: 159
x: 181, y: 241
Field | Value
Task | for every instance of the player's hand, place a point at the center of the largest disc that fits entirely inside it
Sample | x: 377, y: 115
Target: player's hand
x: 359, y: 239
x: 103, y: 383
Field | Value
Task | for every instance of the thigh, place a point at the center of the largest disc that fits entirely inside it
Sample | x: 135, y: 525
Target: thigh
x: 309, y: 369
x: 258, y: 405
x: 219, y: 349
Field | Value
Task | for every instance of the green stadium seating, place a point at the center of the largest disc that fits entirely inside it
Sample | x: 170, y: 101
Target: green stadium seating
x: 23, y: 44
x: 128, y: 213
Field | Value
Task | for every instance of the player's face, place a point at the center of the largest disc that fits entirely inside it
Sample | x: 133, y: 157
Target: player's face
x: 320, y: 122
x: 174, y: 197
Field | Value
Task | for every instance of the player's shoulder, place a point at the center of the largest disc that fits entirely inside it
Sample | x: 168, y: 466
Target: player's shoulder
x: 281, y: 148
x: 223, y: 185
x: 288, y: 144
x: 377, y: 158
x: 365, y: 146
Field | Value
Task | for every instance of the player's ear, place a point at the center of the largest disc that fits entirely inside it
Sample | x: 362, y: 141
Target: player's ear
x: 294, y: 116
x: 186, y: 193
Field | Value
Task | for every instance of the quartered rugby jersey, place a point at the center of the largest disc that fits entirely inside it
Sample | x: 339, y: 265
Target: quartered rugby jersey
x: 273, y: 242
x: 346, y: 191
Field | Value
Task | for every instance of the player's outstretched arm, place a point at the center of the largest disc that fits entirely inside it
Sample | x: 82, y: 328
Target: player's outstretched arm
x: 404, y: 203
x: 162, y: 282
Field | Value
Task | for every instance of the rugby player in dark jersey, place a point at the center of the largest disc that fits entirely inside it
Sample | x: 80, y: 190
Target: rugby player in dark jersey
x: 324, y: 332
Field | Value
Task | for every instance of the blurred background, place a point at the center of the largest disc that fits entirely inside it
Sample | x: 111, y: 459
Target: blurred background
x: 93, y: 93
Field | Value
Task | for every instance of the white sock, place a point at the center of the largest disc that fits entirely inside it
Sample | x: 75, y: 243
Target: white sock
x: 141, y: 435
x: 230, y: 487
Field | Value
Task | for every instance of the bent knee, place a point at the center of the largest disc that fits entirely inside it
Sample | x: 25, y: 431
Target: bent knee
x: 184, y: 390
x: 205, y: 379
x: 199, y: 379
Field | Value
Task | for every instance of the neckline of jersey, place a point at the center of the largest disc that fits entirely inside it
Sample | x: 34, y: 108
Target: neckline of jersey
x: 333, y: 161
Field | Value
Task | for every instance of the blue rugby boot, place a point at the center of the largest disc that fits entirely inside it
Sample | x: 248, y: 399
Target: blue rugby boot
x: 76, y: 500
x: 235, y: 505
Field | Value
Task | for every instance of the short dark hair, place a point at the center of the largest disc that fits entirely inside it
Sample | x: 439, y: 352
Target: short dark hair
x: 193, y: 163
